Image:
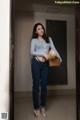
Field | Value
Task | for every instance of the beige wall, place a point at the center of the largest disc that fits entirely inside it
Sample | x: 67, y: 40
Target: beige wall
x: 23, y: 31
x: 22, y: 73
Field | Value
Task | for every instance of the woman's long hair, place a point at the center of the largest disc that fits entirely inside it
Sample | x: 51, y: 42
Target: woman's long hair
x: 35, y: 35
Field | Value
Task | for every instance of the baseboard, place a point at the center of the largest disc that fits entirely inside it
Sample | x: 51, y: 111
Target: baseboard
x: 62, y: 92
x: 50, y: 93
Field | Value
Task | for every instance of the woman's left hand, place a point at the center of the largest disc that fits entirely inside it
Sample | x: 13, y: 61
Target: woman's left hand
x: 46, y: 56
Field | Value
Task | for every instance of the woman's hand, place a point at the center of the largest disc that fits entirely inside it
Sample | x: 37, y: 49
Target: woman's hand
x: 46, y: 56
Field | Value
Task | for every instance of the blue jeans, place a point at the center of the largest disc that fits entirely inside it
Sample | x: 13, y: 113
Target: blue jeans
x: 40, y: 81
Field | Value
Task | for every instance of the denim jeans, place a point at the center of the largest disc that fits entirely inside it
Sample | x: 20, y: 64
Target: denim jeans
x: 40, y: 81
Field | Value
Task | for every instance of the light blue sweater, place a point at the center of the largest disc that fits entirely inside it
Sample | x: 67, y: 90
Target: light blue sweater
x: 39, y: 48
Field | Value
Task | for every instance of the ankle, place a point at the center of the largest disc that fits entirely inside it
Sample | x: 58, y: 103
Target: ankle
x: 43, y: 111
x: 36, y: 112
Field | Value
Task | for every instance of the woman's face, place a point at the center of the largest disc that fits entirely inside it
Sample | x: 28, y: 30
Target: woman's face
x: 40, y: 30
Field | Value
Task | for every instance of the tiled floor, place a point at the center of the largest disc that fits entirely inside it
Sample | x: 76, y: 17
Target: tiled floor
x: 58, y: 108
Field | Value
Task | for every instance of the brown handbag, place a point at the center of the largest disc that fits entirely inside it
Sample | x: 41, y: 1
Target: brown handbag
x: 54, y: 61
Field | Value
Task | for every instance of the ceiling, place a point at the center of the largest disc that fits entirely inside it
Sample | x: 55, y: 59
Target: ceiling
x: 42, y: 5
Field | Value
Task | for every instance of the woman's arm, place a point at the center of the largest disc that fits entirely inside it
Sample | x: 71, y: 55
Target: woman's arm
x: 53, y: 47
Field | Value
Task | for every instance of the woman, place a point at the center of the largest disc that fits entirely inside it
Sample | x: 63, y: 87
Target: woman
x: 40, y: 45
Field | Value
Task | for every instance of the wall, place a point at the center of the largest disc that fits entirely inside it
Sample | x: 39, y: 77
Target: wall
x: 23, y: 32
x: 22, y: 71
x: 4, y: 55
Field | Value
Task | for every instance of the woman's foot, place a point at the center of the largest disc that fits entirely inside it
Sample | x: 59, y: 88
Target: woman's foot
x: 43, y: 112
x: 37, y: 113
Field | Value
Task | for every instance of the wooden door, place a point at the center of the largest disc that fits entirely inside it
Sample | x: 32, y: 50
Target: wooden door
x: 77, y: 17
x: 12, y: 16
x: 57, y: 30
